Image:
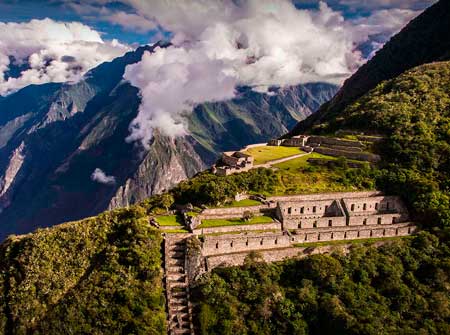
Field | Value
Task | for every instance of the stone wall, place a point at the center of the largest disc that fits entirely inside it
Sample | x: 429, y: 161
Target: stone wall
x: 293, y: 223
x: 362, y: 205
x: 225, y: 244
x: 361, y: 156
x: 334, y: 141
x: 211, y: 213
x: 243, y: 242
x: 369, y: 219
x: 324, y: 196
x: 238, y: 228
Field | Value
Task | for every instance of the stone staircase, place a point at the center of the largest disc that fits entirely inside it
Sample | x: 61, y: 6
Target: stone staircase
x: 177, y: 287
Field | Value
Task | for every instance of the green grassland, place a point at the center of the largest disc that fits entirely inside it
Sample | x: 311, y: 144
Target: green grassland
x: 234, y: 222
x: 269, y: 153
x: 243, y: 203
x: 169, y: 220
x: 297, y: 176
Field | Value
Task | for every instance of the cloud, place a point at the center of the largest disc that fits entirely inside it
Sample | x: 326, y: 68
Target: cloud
x: 129, y: 21
x: 387, y: 4
x: 218, y: 45
x: 379, y: 26
x: 51, y: 52
x: 99, y: 176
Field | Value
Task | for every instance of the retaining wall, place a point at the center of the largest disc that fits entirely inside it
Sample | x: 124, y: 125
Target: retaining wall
x: 236, y: 243
x: 301, y: 223
x: 361, y: 156
x: 224, y: 244
x: 231, y: 211
x: 334, y: 141
x: 238, y: 228
x: 324, y: 196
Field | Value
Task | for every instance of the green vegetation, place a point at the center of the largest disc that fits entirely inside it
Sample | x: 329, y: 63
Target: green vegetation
x: 400, y: 288
x: 97, y: 276
x: 301, y: 162
x: 269, y: 153
x: 243, y: 203
x: 413, y: 111
x: 298, y: 176
x: 234, y: 222
x: 242, y: 232
x: 176, y: 231
x: 169, y: 220
x: 292, y: 177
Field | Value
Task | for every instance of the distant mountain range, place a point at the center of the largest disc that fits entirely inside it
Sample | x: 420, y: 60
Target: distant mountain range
x: 53, y: 136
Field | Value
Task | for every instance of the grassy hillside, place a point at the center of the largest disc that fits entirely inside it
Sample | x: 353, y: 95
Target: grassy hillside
x: 97, y: 276
x: 423, y: 40
x: 413, y: 111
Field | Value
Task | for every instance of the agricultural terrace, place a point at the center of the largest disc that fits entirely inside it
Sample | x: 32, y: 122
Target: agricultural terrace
x: 234, y: 221
x: 266, y: 154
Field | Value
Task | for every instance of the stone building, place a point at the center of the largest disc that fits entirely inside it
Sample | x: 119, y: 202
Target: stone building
x: 311, y: 214
x: 233, y: 162
x: 375, y: 210
x: 295, y: 141
x: 355, y: 211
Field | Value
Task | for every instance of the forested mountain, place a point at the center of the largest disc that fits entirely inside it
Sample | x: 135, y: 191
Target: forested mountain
x: 54, y: 136
x: 425, y: 39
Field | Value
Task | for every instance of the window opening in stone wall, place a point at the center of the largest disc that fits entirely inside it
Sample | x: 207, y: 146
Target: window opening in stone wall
x: 376, y: 206
x: 289, y: 210
x: 379, y: 220
x: 314, y: 209
x: 352, y: 207
x: 315, y: 224
x: 365, y: 222
x: 330, y: 223
x: 302, y: 210
x: 364, y: 207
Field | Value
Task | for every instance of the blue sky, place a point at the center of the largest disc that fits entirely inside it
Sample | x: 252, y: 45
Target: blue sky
x: 62, y: 10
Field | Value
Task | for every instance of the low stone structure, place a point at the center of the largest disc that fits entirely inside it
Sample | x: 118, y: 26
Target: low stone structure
x: 234, y: 162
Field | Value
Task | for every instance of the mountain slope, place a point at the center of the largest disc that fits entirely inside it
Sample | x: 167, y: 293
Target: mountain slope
x: 425, y: 39
x: 101, y: 275
x: 53, y: 136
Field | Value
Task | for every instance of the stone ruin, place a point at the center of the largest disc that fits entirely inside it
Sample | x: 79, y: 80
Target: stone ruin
x: 233, y: 162
x: 301, y: 219
x: 336, y: 147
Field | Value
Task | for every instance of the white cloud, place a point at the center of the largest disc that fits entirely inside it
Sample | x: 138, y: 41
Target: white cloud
x: 54, y: 52
x: 386, y: 22
x: 387, y: 4
x: 99, y: 176
x: 128, y: 21
x: 131, y: 21
x: 218, y: 45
